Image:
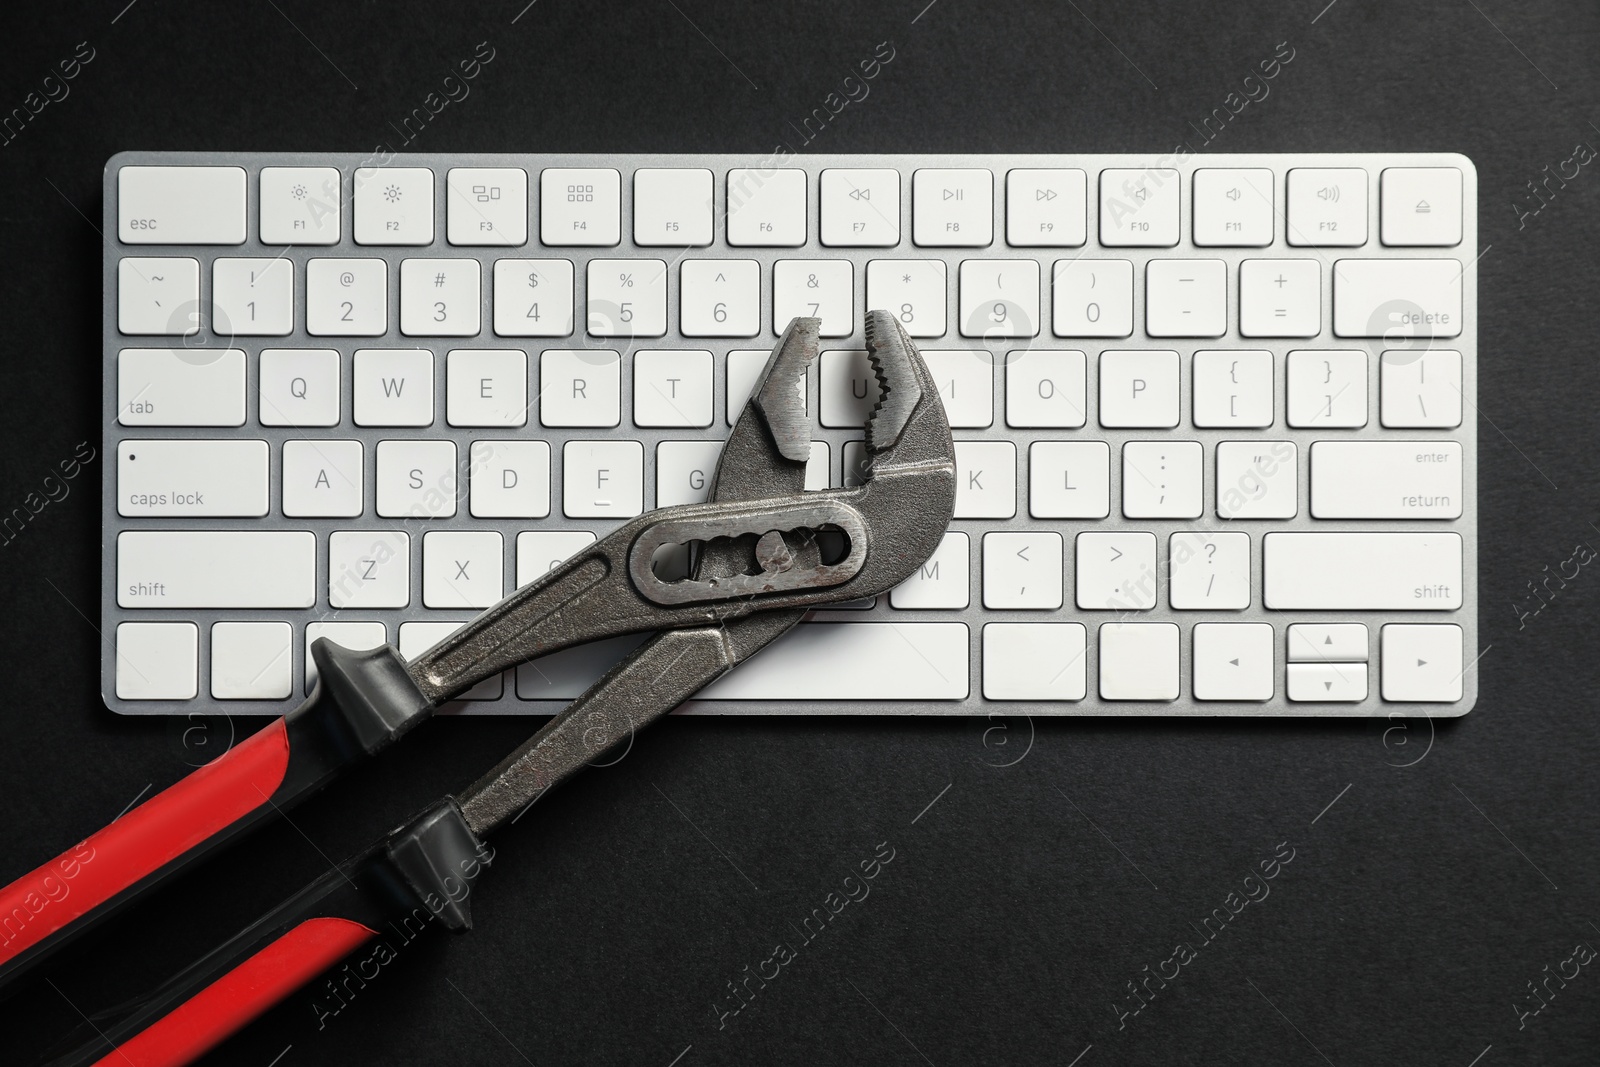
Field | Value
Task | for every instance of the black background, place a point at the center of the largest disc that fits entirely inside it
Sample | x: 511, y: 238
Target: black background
x: 1061, y: 857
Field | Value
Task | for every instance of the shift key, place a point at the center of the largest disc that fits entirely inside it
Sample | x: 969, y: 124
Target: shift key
x: 216, y: 569
x: 199, y: 478
x: 1361, y: 571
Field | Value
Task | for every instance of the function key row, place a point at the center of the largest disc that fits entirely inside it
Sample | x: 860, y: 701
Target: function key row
x: 675, y: 208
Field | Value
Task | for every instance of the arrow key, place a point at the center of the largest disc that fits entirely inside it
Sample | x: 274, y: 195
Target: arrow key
x: 1233, y: 661
x: 1422, y: 662
x: 1331, y: 683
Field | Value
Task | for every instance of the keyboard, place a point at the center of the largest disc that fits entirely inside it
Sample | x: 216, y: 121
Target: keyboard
x: 1214, y: 416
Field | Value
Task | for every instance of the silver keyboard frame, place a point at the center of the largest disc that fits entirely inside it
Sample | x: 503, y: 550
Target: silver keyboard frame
x: 975, y: 615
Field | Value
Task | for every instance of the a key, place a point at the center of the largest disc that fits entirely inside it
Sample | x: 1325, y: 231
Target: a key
x: 860, y: 208
x: 986, y: 479
x: 1045, y: 389
x: 999, y: 298
x: 157, y: 660
x: 602, y: 479
x: 300, y: 205
x: 439, y: 297
x: 322, y: 478
x: 965, y: 380
x: 672, y: 388
x: 952, y: 208
x: 1386, y: 479
x: 1116, y: 571
x: 180, y: 387
x: 1046, y: 208
x: 1420, y: 389
x: 1186, y: 298
x: 461, y: 568
x: 1328, y: 683
x: 580, y: 388
x: 1422, y: 663
x: 1327, y: 390
x: 252, y: 297
x: 509, y: 479
x: 719, y: 298
x: 1360, y: 571
x: 684, y: 470
x: 486, y: 206
x: 627, y: 297
x: 1093, y: 298
x: 1139, y: 208
x: 1328, y: 642
x: 347, y: 297
x: 355, y: 636
x: 1421, y: 206
x: 1022, y: 570
x: 766, y: 210
x: 849, y: 388
x: 1233, y: 389
x: 913, y: 290
x: 1208, y: 571
x: 1258, y: 479
x: 486, y: 387
x: 814, y: 288
x: 1327, y: 207
x: 541, y: 551
x: 369, y: 569
x: 1397, y: 298
x: 1035, y: 661
x: 1069, y: 480
x: 392, y: 387
x: 867, y: 661
x: 671, y: 207
x: 393, y: 206
x: 252, y: 660
x: 416, y: 479
x: 1233, y: 661
x: 1139, y: 389
x: 1280, y: 298
x: 1138, y: 661
x: 1233, y: 208
x: 533, y: 297
x: 180, y: 206
x: 196, y: 478
x: 216, y: 569
x: 299, y: 387
x: 1163, y: 479
x: 941, y: 582
x: 580, y: 207
x: 158, y: 296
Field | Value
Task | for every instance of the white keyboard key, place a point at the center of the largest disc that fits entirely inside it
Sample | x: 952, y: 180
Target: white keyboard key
x: 1258, y: 479
x: 671, y: 208
x: 1233, y: 389
x: 719, y: 298
x: 392, y: 387
x: 672, y: 388
x: 1420, y: 389
x: 1163, y: 479
x: 1327, y: 390
x: 602, y: 479
x: 1397, y: 298
x: 1138, y: 661
x: 1422, y: 663
x: 853, y: 464
x: 941, y: 582
x: 509, y: 479
x: 416, y: 479
x: 252, y: 297
x: 1233, y: 208
x: 1069, y: 480
x: 745, y: 367
x: 1280, y: 298
x: 1139, y: 389
x: 355, y: 636
x: 1139, y: 208
x: 1035, y: 661
x: 1186, y: 298
x: 1046, y: 208
x: 461, y: 569
x: 369, y: 569
x: 1093, y: 298
x: 684, y: 470
x: 1209, y: 571
x: 913, y: 290
x: 394, y: 206
x: 814, y: 288
x: 818, y: 467
x: 580, y: 388
x: 965, y: 380
x: 1116, y: 571
x: 486, y: 387
x: 1328, y: 642
x: 180, y: 387
x: 1421, y: 206
x: 347, y: 297
x: 1045, y: 389
x: 1327, y: 683
x: 1022, y: 570
x: 158, y: 660
x: 1327, y: 208
x: 533, y: 297
x: 300, y: 205
x: 952, y: 208
x: 1361, y: 571
x: 999, y: 298
x: 766, y: 211
x: 158, y: 296
x: 252, y: 660
x: 417, y: 637
x: 439, y: 297
x: 202, y: 478
x: 180, y: 206
x: 1386, y: 479
x: 580, y: 207
x: 542, y: 551
x: 860, y: 208
x: 986, y: 479
x: 867, y: 661
x: 1233, y: 661
x: 627, y: 297
x: 486, y: 206
x: 322, y: 478
x: 299, y: 387
x: 849, y: 389
x: 215, y: 569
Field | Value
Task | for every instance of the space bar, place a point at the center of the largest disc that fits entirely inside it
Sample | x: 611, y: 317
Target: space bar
x: 854, y: 661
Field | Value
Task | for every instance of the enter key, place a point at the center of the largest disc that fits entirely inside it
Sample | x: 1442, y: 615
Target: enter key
x: 1386, y: 480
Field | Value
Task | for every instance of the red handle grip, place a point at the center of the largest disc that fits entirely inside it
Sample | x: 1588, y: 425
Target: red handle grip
x: 241, y: 995
x: 140, y: 843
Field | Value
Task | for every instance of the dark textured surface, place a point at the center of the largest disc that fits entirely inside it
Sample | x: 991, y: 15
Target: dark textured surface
x: 1415, y: 910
